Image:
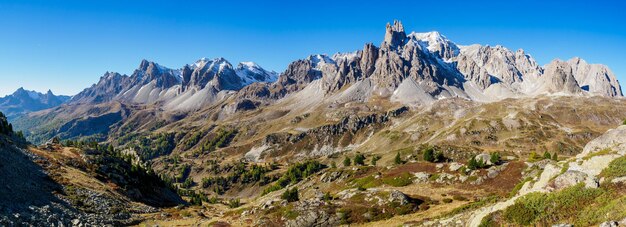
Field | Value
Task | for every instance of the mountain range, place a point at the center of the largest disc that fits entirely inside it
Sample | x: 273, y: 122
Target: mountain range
x: 23, y: 101
x: 413, y: 69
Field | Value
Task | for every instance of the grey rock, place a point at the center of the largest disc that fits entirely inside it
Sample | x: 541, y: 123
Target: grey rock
x: 573, y: 177
x: 609, y: 224
x: 398, y: 197
x: 618, y: 180
x: 421, y: 177
x: 484, y: 157
x: 454, y: 166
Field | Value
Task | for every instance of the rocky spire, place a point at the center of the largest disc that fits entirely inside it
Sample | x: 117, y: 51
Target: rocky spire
x: 394, y: 35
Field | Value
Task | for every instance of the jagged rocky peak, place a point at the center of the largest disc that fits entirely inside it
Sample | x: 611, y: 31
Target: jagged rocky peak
x: 394, y: 35
x: 149, y: 71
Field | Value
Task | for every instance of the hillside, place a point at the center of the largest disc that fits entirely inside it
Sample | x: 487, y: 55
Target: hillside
x: 54, y: 185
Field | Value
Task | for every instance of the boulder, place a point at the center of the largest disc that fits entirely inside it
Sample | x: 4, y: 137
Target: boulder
x: 573, y: 177
x: 455, y: 166
x: 421, y: 177
x: 399, y: 197
x: 484, y: 157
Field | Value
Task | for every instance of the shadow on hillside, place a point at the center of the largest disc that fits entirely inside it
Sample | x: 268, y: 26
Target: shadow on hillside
x: 23, y: 183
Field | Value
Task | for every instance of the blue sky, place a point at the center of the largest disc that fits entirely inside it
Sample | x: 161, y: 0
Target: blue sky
x: 67, y: 45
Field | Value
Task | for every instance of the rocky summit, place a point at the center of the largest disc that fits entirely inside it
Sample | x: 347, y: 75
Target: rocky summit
x: 414, y: 131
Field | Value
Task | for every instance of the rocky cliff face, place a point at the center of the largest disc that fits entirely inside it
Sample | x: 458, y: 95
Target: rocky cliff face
x: 595, y: 78
x: 559, y: 77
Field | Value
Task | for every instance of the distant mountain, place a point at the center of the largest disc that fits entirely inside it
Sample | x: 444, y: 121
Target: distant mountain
x: 24, y: 101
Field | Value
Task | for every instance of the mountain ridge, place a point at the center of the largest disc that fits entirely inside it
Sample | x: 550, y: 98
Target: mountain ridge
x: 436, y: 65
x: 23, y: 101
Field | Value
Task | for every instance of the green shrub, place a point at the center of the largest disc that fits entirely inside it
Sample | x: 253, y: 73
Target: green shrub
x: 291, y: 195
x: 234, y: 203
x: 520, y: 214
x: 367, y: 182
x: 213, y: 200
x: 474, y: 163
x: 359, y: 159
x: 519, y: 186
x: 398, y: 159
x: 617, y: 168
x: 429, y: 154
x: 346, y: 161
x: 327, y: 197
x: 546, y: 155
x: 533, y: 156
x: 494, y: 157
x: 556, y: 206
x: 447, y: 200
x: 295, y: 174
x: 375, y: 159
x: 487, y: 221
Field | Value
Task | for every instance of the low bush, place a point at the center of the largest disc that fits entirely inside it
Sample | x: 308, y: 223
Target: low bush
x: 399, y: 181
x: 562, y: 205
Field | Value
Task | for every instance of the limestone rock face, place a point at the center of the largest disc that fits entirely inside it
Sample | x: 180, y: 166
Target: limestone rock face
x: 559, y: 77
x: 394, y: 34
x: 595, y: 78
x: 501, y: 64
x: 614, y: 139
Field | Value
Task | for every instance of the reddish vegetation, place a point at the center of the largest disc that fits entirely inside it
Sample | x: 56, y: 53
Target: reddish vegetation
x: 505, y: 181
x: 412, y: 167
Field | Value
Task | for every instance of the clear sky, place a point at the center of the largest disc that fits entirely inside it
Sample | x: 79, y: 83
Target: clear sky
x: 67, y: 45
